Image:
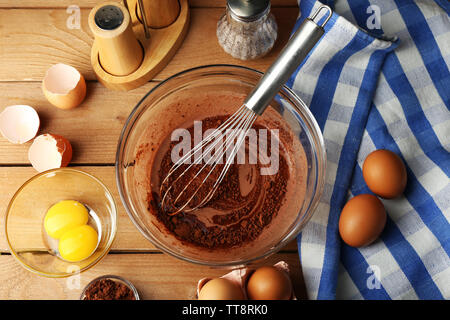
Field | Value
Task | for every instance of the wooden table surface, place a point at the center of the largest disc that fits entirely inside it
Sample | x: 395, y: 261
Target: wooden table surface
x: 33, y: 36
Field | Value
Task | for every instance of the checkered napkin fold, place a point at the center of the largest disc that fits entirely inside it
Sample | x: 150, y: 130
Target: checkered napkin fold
x: 367, y: 93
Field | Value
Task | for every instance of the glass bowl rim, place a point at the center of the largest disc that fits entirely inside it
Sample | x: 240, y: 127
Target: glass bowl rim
x: 110, y: 239
x: 134, y: 116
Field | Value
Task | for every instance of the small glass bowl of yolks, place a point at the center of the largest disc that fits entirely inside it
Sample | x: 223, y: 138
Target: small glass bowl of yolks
x: 72, y: 230
x: 61, y: 222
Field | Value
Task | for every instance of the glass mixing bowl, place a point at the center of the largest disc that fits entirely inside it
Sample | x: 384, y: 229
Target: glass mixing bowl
x: 160, y: 108
x: 24, y: 221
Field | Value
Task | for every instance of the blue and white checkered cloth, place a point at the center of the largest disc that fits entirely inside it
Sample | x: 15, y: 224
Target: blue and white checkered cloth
x: 388, y: 88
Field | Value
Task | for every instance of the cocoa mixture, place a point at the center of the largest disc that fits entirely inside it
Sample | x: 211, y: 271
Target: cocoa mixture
x: 242, y: 207
x: 106, y: 289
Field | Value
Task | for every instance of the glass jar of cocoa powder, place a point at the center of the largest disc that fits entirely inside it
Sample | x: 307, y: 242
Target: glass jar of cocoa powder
x: 109, y: 287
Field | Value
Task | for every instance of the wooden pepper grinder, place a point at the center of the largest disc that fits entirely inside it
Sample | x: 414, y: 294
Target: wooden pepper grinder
x: 160, y: 13
x: 119, y: 51
x: 135, y: 39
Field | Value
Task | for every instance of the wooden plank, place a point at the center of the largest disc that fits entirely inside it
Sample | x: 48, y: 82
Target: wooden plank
x: 92, y: 3
x: 93, y: 128
x: 26, y: 53
x: 156, y: 276
x: 128, y: 237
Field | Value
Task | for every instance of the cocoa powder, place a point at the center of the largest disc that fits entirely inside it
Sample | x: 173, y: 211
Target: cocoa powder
x: 238, y: 218
x: 106, y: 289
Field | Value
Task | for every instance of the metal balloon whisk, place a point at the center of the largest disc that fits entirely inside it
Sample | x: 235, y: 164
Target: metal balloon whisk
x: 205, y: 179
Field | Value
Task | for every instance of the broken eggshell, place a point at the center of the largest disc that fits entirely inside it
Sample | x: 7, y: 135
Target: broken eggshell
x: 19, y: 123
x: 50, y: 151
x: 241, y: 276
x: 63, y: 86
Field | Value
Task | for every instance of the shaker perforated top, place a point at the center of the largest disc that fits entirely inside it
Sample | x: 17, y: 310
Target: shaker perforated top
x: 248, y: 9
x: 109, y: 17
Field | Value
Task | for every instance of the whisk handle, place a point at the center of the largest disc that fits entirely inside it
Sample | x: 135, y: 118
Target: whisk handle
x: 296, y: 50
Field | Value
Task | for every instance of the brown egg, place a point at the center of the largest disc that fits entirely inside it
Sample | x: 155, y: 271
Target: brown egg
x: 269, y: 283
x: 220, y: 289
x: 385, y: 173
x: 362, y: 220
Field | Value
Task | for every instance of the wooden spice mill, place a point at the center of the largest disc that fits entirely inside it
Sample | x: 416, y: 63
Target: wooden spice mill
x: 135, y: 39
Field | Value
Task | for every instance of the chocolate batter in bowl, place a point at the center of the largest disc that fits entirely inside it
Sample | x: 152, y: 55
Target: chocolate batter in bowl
x: 252, y: 214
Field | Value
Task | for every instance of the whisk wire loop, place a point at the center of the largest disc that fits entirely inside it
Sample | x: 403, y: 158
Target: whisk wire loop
x: 235, y: 128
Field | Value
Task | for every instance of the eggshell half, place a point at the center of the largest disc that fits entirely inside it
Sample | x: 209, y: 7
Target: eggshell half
x: 64, y: 86
x: 19, y: 123
x: 50, y: 151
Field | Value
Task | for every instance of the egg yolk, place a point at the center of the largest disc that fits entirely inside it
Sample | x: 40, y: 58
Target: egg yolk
x: 63, y: 216
x: 78, y: 243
